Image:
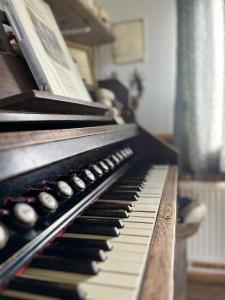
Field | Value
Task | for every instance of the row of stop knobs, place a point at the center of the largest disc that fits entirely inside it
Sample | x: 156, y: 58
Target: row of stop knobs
x: 23, y: 212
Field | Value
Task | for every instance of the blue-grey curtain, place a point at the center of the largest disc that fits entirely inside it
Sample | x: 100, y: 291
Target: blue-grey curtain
x: 199, y: 112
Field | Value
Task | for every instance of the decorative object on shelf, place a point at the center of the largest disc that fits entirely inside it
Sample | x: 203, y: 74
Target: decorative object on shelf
x: 108, y: 98
x: 88, y: 3
x: 82, y: 56
x: 103, y: 15
x: 122, y: 101
x: 129, y: 41
x: 136, y: 89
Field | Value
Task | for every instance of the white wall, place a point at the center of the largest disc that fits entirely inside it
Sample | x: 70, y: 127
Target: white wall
x: 159, y: 68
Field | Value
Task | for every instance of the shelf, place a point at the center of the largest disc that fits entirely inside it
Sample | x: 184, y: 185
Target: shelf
x: 43, y: 102
x: 74, y: 15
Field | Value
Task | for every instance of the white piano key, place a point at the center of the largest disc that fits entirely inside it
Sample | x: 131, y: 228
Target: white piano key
x: 98, y: 292
x: 126, y: 255
x: 149, y: 196
x: 143, y: 214
x: 136, y: 231
x: 145, y: 208
x: 131, y: 239
x: 138, y: 225
x: 120, y: 239
x: 149, y: 200
x: 102, y: 278
x: 129, y: 247
x: 121, y: 266
x: 140, y: 220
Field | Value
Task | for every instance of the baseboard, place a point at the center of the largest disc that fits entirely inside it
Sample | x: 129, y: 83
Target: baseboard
x: 208, y: 265
x: 207, y: 274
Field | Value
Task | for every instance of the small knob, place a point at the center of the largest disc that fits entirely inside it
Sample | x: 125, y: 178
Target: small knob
x: 129, y: 151
x: 61, y: 189
x: 89, y: 176
x: 123, y: 153
x: 65, y: 188
x: 75, y: 181
x: 78, y: 183
x: 98, y: 171
x: 4, y: 235
x: 109, y: 163
x: 104, y: 166
x: 120, y: 157
x: 115, y: 159
x: 25, y: 214
x: 47, y: 202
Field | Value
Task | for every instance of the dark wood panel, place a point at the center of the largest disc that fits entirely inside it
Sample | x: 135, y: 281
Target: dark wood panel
x: 154, y: 149
x: 15, y: 76
x: 158, y: 278
x: 27, y: 151
x: 29, y: 138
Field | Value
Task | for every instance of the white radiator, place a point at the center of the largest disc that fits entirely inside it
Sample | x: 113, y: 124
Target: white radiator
x: 208, y: 245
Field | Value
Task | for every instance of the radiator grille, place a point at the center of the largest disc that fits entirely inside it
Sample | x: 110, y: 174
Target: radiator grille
x: 208, y: 245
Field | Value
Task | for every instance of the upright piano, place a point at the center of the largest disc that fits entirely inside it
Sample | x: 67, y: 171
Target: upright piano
x: 87, y: 206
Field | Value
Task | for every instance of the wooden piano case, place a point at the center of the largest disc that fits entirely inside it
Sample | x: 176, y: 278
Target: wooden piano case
x: 23, y: 105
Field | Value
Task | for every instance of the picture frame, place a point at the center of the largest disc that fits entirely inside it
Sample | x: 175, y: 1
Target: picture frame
x: 129, y: 41
x: 82, y: 57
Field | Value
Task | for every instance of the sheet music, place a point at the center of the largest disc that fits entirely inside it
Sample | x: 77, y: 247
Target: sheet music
x: 44, y: 48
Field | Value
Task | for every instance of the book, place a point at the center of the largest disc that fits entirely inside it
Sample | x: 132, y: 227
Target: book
x: 44, y: 48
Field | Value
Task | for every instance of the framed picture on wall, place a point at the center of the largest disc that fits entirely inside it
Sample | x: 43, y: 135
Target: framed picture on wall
x: 82, y: 56
x: 129, y: 41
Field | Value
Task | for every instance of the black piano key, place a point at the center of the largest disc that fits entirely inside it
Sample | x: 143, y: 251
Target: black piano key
x: 103, y: 205
x: 65, y: 264
x: 76, y: 242
x: 135, y: 178
x: 100, y: 221
x: 94, y: 229
x: 133, y: 181
x: 75, y: 252
x: 47, y: 288
x: 114, y: 196
x: 121, y: 193
x: 4, y: 297
x: 139, y: 185
x: 117, y: 202
x: 127, y: 187
x: 118, y: 213
x: 118, y: 192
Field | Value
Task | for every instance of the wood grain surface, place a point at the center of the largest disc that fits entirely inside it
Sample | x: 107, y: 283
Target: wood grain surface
x: 72, y: 14
x: 15, y: 76
x: 158, y: 279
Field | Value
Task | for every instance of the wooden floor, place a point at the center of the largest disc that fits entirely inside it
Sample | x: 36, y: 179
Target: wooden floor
x: 206, y: 286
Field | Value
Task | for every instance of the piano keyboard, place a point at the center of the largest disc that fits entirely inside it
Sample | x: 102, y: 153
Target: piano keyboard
x: 103, y: 253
